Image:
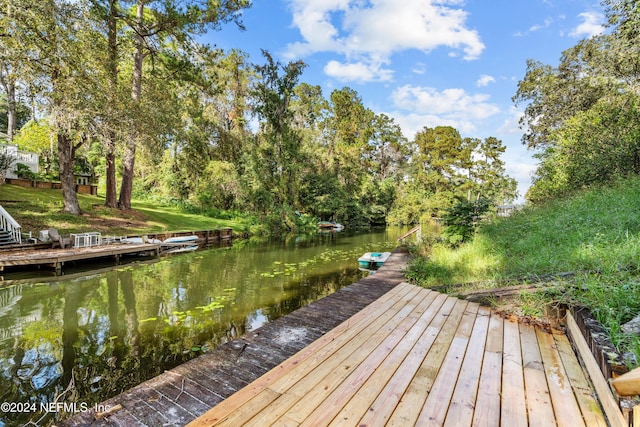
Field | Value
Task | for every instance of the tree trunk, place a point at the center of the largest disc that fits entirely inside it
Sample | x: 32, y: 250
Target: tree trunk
x: 66, y: 154
x: 110, y: 157
x: 9, y: 85
x: 11, y: 109
x: 126, y: 188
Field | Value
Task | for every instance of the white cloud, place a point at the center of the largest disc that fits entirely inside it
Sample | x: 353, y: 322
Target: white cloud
x: 417, y: 107
x: 592, y: 25
x: 420, y: 68
x: 484, y: 80
x: 511, y: 125
x: 449, y: 103
x: 370, y: 32
x: 411, y: 123
x: 359, y: 72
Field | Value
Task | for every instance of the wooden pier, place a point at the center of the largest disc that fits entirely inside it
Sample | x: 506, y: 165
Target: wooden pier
x: 56, y: 258
x: 42, y: 255
x: 417, y: 357
x: 378, y: 352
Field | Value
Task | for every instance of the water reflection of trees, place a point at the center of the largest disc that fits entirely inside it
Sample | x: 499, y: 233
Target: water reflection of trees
x: 98, y: 336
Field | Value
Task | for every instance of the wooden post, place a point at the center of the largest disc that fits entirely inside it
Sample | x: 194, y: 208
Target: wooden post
x: 628, y: 384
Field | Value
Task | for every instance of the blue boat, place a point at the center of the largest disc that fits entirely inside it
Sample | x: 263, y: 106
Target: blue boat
x: 373, y: 259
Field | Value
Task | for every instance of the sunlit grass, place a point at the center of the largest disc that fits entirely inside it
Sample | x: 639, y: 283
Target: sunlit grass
x: 595, y: 234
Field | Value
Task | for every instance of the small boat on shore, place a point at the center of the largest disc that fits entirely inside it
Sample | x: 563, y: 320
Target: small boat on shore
x: 330, y: 226
x: 181, y: 239
x: 178, y: 249
x: 177, y: 244
x: 138, y: 240
x: 373, y: 259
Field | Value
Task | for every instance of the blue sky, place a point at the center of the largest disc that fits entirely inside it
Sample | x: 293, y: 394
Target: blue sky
x: 422, y: 62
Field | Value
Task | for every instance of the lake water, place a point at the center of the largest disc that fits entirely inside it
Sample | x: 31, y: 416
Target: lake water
x: 85, y: 337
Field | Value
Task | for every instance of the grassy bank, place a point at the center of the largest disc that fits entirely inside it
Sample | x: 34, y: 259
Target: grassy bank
x: 37, y: 209
x: 594, y: 234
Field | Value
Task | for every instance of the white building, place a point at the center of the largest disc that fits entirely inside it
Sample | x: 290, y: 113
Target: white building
x: 26, y: 158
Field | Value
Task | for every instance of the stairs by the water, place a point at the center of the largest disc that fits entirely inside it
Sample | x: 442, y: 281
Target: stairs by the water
x: 6, y: 238
x: 10, y: 230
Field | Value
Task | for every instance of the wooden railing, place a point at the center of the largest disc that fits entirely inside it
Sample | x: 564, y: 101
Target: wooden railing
x: 415, y: 229
x: 9, y: 224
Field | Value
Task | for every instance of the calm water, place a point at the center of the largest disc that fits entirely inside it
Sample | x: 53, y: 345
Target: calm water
x: 93, y: 335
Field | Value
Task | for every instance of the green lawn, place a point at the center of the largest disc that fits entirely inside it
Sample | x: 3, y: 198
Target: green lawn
x: 37, y: 209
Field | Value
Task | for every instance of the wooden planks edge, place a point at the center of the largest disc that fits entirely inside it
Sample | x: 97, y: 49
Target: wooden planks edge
x: 608, y: 402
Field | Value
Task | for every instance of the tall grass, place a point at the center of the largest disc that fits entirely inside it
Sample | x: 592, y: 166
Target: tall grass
x: 597, y: 230
x: 595, y: 234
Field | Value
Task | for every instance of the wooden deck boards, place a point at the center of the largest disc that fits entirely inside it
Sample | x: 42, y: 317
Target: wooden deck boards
x: 55, y: 258
x: 416, y: 357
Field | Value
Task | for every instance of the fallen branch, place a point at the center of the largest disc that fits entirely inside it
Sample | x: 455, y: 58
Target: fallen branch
x: 112, y: 410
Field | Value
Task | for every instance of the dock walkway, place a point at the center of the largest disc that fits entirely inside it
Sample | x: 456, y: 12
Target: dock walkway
x: 417, y: 357
x: 56, y: 258
x: 38, y: 256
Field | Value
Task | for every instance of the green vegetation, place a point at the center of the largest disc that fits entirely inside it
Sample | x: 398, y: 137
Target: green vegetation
x: 582, y: 119
x: 37, y: 209
x: 582, y: 115
x: 123, y: 93
x: 594, y: 234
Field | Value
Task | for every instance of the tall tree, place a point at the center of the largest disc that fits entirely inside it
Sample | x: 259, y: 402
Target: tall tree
x: 440, y: 157
x: 490, y: 175
x: 349, y: 132
x: 279, y: 144
x: 8, y: 82
x: 388, y: 147
x: 56, y: 41
x: 152, y: 24
x: 581, y: 115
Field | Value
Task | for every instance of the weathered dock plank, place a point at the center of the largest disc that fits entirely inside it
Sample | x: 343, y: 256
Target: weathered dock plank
x: 464, y: 396
x: 436, y: 406
x: 487, y: 407
x: 381, y: 409
x: 539, y: 404
x: 56, y: 258
x: 514, y: 409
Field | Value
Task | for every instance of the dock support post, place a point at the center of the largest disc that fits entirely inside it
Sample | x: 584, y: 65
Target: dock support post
x: 58, y: 268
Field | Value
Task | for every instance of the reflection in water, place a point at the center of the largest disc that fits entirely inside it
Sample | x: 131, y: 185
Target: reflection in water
x: 89, y: 337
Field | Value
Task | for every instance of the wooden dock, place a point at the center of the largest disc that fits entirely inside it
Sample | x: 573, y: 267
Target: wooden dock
x: 378, y: 352
x: 417, y: 357
x: 42, y: 255
x: 56, y: 258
